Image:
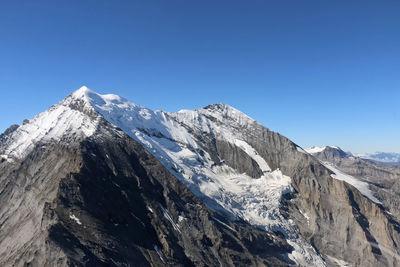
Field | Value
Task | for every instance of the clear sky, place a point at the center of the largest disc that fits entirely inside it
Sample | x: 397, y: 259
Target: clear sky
x: 319, y: 72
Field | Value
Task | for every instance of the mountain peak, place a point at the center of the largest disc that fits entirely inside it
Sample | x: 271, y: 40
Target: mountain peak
x: 82, y: 93
x: 328, y: 152
x: 317, y: 149
x: 219, y: 106
x: 69, y: 118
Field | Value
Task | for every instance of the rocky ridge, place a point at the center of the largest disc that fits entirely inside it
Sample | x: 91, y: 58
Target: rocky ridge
x: 208, y: 187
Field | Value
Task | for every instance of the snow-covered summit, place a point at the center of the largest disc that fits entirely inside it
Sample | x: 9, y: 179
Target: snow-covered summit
x: 316, y: 149
x: 59, y: 121
x: 81, y: 92
x: 175, y: 139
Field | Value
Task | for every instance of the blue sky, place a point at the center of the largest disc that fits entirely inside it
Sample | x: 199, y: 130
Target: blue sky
x: 319, y: 72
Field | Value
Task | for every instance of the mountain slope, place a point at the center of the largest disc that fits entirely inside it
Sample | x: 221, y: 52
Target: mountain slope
x: 97, y: 198
x: 214, y: 150
x: 211, y: 187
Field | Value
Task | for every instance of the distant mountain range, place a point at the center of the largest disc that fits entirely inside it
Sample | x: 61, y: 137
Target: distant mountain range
x: 384, y: 157
x: 381, y: 157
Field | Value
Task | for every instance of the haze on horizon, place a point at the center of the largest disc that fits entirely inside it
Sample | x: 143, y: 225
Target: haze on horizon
x: 318, y: 73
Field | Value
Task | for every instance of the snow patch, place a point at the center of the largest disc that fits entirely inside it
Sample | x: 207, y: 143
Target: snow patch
x: 73, y: 217
x: 362, y: 186
x: 224, y: 224
x: 305, y: 216
x: 253, y: 154
x: 315, y: 149
x: 159, y: 253
x: 169, y: 218
x: 149, y: 209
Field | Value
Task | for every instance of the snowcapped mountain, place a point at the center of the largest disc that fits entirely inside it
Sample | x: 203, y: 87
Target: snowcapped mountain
x: 96, y: 174
x: 381, y: 157
x: 328, y: 152
x: 225, y: 185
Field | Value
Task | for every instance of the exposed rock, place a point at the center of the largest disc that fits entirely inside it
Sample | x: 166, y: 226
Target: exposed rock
x: 105, y: 200
x: 383, y: 179
x: 79, y: 189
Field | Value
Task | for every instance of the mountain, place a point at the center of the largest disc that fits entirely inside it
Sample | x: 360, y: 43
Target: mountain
x: 393, y: 158
x: 98, y: 180
x: 328, y: 153
x: 378, y: 179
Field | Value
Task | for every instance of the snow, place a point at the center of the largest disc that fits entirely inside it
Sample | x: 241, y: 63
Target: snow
x: 224, y: 224
x: 301, y: 150
x: 159, y: 253
x: 170, y: 138
x: 253, y: 154
x: 181, y: 219
x: 315, y: 149
x: 362, y: 186
x: 51, y: 125
x: 169, y: 218
x: 305, y: 216
x: 149, y: 209
x: 73, y: 217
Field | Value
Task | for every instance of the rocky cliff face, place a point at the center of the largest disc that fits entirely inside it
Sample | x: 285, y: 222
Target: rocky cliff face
x: 103, y: 200
x: 382, y: 179
x: 98, y: 180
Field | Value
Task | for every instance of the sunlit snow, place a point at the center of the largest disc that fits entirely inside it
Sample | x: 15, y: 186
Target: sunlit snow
x: 73, y: 217
x: 222, y: 188
x: 363, y: 187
